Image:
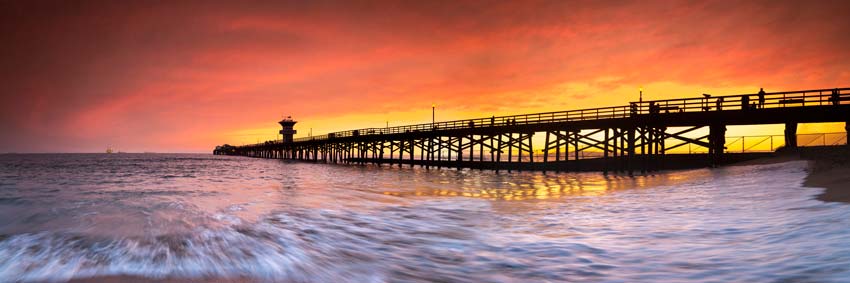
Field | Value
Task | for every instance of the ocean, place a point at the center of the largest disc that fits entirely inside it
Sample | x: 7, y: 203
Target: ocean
x: 193, y: 216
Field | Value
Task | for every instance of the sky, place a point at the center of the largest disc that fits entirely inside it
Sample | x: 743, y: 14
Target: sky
x: 184, y: 76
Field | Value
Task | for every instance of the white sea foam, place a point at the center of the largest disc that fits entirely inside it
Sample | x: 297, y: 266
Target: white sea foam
x: 316, y: 223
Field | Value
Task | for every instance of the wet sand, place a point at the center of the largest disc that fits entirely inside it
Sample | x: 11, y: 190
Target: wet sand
x: 829, y: 168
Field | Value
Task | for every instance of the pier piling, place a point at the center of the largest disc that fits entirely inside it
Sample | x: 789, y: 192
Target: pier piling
x: 638, y: 136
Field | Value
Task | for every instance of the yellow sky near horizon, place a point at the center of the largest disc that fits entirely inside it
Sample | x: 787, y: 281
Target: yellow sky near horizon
x: 561, y: 97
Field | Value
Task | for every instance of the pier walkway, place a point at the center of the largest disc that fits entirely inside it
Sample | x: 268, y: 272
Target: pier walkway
x: 643, y: 135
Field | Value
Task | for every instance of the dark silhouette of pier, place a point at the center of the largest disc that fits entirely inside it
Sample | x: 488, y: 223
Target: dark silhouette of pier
x: 641, y: 135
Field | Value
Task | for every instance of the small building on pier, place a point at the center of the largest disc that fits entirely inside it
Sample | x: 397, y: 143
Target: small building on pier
x: 225, y: 149
x: 288, y: 129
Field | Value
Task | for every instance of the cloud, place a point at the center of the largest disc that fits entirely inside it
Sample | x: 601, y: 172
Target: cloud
x: 181, y: 76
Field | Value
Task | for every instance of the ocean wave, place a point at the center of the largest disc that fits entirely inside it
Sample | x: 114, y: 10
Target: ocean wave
x: 305, y: 246
x: 300, y: 247
x: 302, y: 222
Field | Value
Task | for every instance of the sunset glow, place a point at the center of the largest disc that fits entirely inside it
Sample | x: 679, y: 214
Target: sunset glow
x: 184, y: 76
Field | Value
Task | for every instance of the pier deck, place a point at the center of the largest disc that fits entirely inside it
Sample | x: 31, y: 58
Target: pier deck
x: 641, y: 135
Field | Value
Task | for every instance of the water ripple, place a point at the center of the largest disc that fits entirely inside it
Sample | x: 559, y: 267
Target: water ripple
x: 196, y: 216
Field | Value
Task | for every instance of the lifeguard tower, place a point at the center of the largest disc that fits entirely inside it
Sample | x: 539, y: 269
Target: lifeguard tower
x: 287, y: 132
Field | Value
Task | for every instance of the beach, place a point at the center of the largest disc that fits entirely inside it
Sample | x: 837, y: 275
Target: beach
x: 830, y: 169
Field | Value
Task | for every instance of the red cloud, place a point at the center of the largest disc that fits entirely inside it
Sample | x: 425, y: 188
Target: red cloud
x: 180, y: 76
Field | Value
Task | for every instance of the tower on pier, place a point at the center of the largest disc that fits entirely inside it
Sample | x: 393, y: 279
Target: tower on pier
x: 287, y: 132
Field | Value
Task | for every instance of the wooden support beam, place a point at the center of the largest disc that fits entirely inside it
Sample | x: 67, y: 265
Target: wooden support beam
x: 546, y: 149
x: 791, y: 135
x: 499, y: 150
x: 510, y: 142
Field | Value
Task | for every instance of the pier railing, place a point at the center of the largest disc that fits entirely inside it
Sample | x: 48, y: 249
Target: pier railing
x: 512, y: 120
x: 818, y: 97
x: 770, y: 143
x: 746, y: 102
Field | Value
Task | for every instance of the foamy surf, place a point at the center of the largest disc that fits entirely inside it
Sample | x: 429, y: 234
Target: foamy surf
x: 319, y: 223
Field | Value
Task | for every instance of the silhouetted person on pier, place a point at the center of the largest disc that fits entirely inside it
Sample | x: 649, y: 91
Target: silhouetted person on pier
x: 492, y: 121
x: 719, y: 103
x: 761, y: 97
x: 471, y: 124
x: 834, y: 97
x: 745, y: 102
x: 653, y: 109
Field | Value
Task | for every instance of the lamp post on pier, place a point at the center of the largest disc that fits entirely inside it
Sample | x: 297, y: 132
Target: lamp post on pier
x: 433, y: 110
x: 640, y: 89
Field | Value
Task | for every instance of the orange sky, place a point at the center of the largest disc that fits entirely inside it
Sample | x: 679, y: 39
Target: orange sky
x: 186, y: 76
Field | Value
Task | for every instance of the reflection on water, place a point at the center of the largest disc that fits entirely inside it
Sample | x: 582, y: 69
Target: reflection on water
x: 540, y: 186
x: 200, y: 216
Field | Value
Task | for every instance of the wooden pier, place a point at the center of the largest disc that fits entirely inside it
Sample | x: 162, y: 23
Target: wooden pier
x: 641, y: 135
